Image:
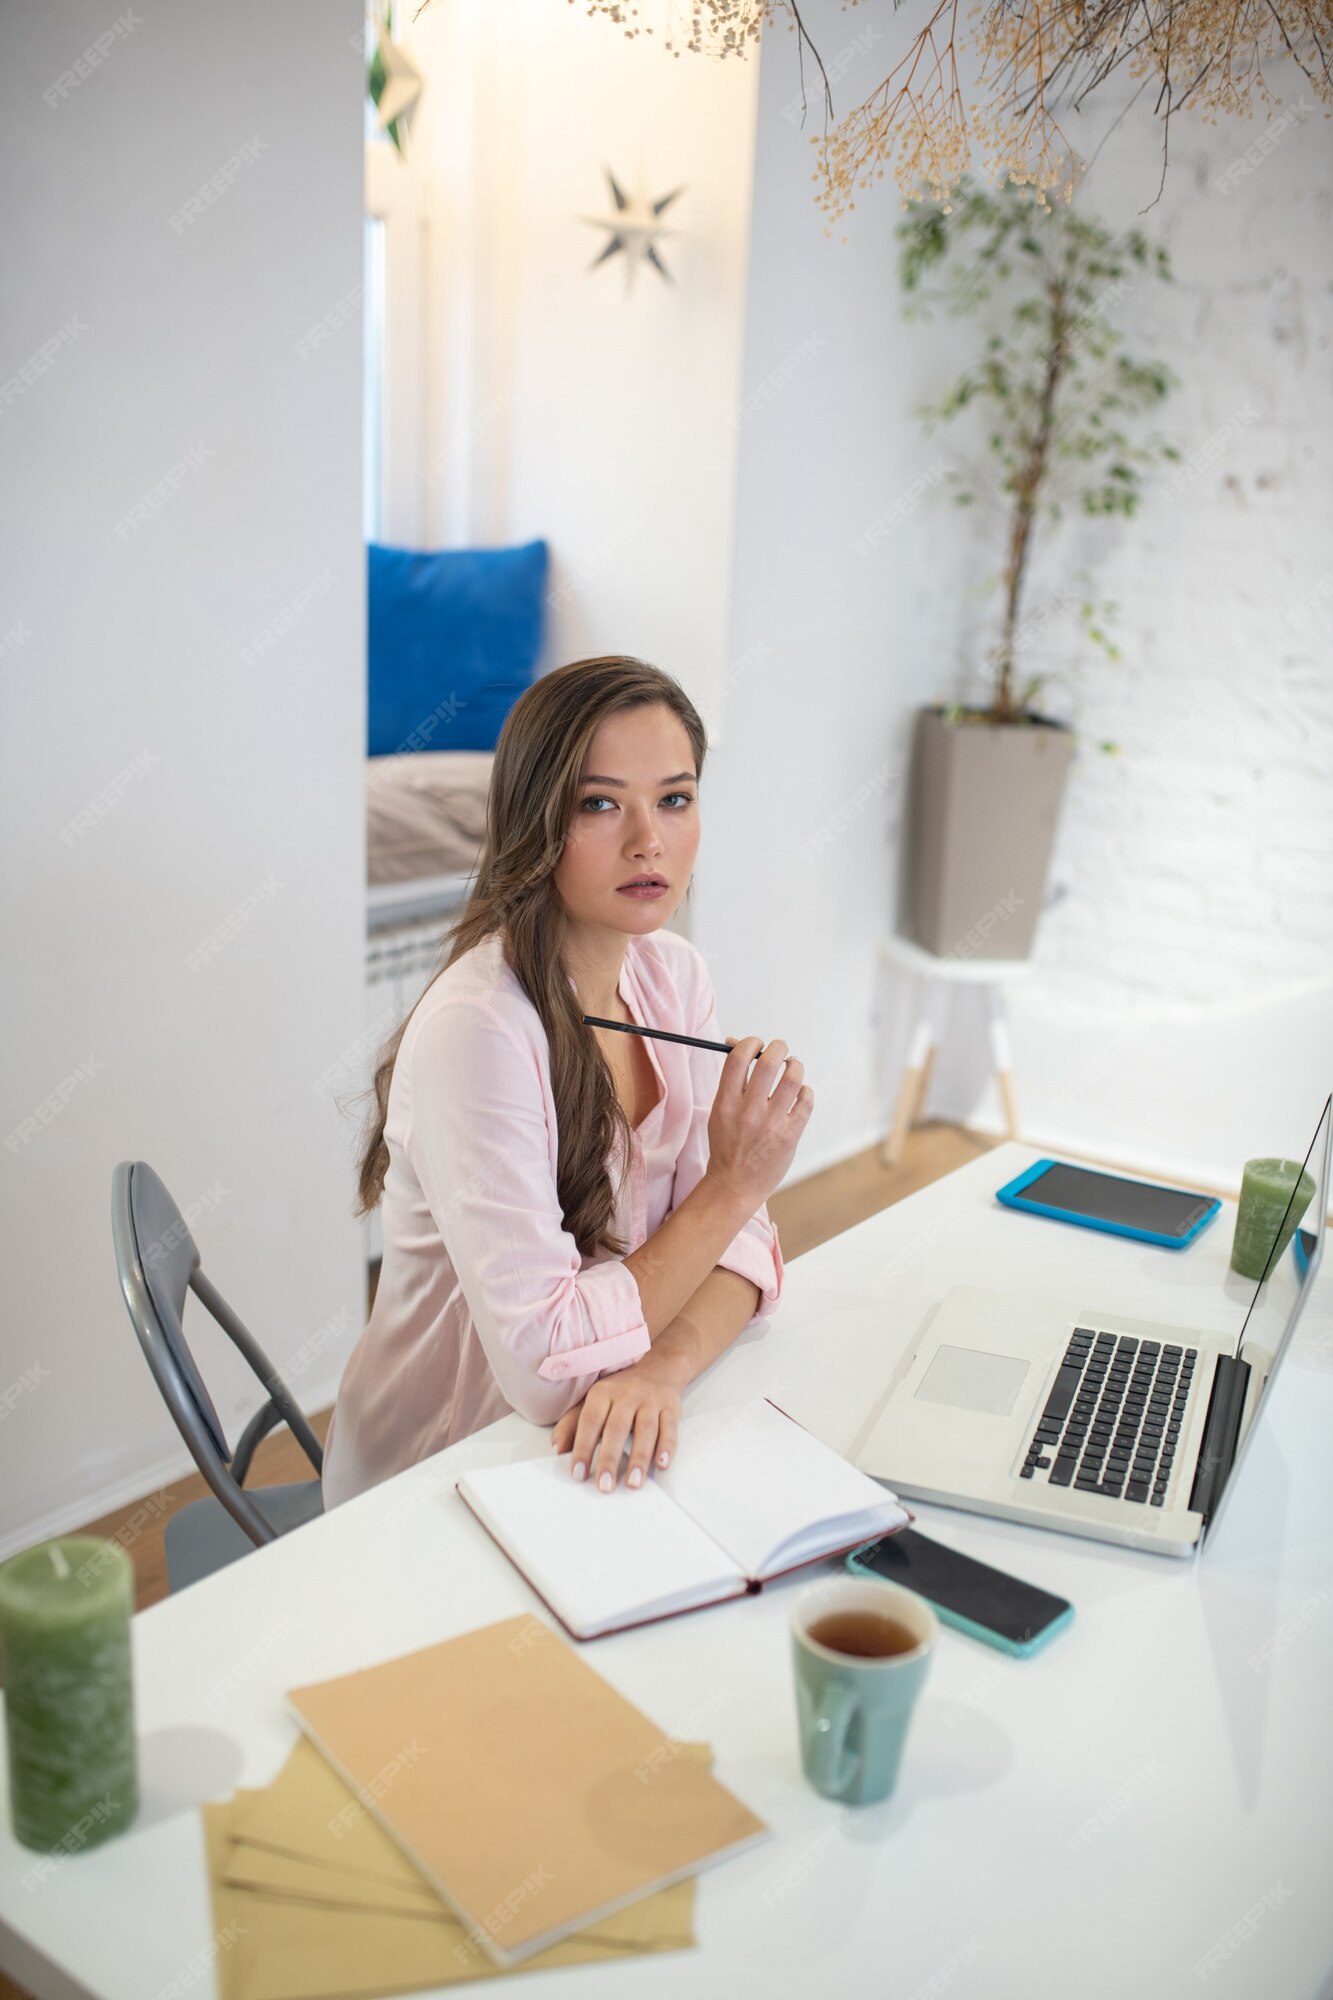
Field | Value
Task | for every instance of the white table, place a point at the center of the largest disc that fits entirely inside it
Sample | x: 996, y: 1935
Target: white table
x: 1095, y: 1820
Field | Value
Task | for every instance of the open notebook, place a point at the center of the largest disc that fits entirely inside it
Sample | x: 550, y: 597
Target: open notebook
x: 750, y: 1495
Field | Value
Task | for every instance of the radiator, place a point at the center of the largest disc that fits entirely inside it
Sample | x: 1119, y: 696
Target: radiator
x: 405, y: 936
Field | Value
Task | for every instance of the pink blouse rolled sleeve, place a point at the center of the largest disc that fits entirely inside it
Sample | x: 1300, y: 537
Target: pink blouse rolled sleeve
x: 484, y: 1157
x: 754, y: 1252
x: 483, y: 1303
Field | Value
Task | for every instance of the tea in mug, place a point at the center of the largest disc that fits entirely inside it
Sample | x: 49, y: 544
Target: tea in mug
x: 867, y: 1634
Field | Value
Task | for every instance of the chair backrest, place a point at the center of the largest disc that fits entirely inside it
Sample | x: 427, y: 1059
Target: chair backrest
x: 158, y: 1262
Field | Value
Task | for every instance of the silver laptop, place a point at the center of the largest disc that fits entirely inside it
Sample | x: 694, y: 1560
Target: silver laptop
x: 1127, y: 1431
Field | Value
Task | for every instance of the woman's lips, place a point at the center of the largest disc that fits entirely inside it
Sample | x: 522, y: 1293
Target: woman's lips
x: 646, y: 893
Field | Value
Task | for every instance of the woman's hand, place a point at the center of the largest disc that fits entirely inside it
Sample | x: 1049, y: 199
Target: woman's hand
x: 641, y: 1400
x: 754, y: 1128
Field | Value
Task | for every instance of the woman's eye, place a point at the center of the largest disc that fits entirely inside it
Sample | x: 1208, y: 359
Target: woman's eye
x: 600, y: 799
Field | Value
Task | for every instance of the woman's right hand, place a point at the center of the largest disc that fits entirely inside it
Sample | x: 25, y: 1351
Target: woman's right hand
x: 755, y: 1125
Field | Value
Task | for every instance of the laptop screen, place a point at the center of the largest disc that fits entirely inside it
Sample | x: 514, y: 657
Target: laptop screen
x: 1279, y: 1299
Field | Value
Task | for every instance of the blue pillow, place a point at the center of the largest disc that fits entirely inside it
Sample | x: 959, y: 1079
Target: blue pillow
x: 454, y: 638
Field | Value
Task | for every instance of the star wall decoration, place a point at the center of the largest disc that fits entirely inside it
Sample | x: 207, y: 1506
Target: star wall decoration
x: 634, y: 228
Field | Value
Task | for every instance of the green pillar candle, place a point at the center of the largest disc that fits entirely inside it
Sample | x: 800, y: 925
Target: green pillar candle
x: 1264, y: 1192
x: 69, y: 1698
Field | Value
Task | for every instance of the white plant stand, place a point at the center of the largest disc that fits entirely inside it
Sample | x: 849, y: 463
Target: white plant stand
x: 935, y: 978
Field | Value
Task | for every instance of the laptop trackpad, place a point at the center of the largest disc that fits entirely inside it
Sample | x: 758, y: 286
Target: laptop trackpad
x: 971, y: 1379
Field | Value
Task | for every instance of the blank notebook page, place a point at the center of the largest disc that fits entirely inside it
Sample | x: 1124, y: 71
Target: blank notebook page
x: 768, y: 1491
x: 598, y: 1558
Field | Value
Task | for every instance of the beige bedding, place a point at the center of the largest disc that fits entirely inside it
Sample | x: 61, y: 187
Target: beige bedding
x: 425, y: 813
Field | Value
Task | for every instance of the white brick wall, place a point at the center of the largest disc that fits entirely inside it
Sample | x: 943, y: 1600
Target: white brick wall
x: 1199, y: 861
x: 1181, y: 1012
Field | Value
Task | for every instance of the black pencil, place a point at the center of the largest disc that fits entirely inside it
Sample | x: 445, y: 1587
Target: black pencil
x: 659, y: 1034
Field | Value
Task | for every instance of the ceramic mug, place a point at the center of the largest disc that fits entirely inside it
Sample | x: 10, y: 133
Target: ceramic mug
x: 853, y: 1709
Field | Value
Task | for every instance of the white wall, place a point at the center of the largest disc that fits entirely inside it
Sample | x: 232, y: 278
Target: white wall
x: 185, y: 709
x: 556, y: 404
x: 1179, y: 1016
x: 1197, y: 937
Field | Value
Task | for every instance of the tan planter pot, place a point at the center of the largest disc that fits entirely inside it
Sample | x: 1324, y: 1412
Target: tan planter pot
x: 982, y: 805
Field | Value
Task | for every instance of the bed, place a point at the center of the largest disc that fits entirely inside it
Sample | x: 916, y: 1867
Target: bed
x: 454, y: 636
x: 425, y: 822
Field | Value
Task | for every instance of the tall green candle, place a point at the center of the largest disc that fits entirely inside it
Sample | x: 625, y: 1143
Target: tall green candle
x: 69, y: 1697
x: 1265, y: 1189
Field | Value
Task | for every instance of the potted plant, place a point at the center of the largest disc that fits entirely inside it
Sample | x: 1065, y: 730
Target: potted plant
x: 986, y: 777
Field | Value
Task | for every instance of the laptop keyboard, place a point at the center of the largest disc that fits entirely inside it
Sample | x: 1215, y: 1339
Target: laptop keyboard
x: 1113, y: 1416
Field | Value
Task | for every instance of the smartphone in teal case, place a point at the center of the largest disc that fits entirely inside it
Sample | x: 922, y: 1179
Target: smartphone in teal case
x: 988, y: 1604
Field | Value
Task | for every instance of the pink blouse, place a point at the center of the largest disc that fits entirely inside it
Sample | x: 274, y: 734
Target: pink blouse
x: 484, y: 1304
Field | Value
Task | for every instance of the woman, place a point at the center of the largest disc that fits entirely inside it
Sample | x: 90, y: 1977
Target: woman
x: 516, y: 1275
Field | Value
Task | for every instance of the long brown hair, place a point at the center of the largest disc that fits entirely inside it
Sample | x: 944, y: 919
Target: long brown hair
x: 534, y: 790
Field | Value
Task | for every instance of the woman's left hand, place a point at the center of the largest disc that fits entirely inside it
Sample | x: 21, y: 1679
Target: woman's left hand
x: 639, y: 1400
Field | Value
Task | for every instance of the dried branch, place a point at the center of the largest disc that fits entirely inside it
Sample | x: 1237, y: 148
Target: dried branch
x: 802, y: 37
x: 1036, y: 53
x: 1033, y: 56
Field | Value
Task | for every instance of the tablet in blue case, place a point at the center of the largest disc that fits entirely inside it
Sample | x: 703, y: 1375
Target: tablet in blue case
x: 1170, y: 1217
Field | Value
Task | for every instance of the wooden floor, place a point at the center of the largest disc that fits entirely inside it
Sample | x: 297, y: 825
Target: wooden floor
x: 806, y: 1214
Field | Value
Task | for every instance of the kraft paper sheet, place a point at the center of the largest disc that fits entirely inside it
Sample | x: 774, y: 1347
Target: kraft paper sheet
x: 312, y: 1900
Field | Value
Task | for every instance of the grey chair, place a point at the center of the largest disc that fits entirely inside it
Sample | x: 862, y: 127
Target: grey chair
x: 158, y: 1263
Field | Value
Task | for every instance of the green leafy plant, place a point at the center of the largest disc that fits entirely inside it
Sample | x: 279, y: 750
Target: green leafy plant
x: 380, y: 25
x: 1057, y: 393
x: 376, y: 77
